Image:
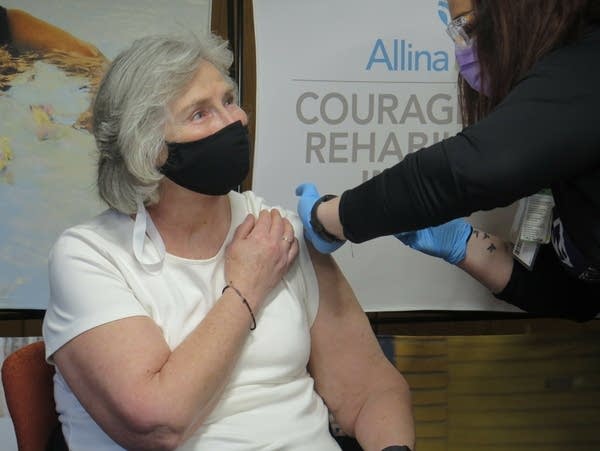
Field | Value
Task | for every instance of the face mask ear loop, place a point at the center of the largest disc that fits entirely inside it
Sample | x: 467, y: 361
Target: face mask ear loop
x: 143, y: 224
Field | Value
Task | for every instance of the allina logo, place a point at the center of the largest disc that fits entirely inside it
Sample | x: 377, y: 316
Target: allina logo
x: 444, y: 12
x: 399, y: 55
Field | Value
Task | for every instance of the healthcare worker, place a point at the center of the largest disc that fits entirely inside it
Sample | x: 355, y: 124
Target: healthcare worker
x: 529, y: 92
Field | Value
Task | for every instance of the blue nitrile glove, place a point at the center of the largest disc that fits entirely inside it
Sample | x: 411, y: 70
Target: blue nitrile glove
x: 308, y: 196
x: 447, y: 241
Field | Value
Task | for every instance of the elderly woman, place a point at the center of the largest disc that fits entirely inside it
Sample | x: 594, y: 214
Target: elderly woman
x: 190, y: 316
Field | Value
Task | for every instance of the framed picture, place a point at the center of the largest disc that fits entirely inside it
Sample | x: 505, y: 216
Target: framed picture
x: 51, y: 60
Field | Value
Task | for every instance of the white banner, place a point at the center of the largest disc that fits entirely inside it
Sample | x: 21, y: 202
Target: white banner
x: 345, y: 89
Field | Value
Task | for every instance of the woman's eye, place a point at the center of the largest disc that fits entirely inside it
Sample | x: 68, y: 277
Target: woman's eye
x: 197, y: 115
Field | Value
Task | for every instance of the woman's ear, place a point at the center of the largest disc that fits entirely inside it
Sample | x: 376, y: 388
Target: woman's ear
x: 162, y: 156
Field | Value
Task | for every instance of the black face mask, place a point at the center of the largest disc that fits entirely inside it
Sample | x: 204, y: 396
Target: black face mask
x: 213, y: 165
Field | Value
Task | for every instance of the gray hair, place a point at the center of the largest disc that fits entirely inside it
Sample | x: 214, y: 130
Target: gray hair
x: 130, y: 111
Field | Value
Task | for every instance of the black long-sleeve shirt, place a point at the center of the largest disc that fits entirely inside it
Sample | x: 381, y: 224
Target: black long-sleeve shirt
x: 545, y: 133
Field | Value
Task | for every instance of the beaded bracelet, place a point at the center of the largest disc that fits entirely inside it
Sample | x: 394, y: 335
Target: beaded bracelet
x: 244, y: 301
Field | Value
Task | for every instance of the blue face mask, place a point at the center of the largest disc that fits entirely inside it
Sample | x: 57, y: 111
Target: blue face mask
x: 213, y: 165
x: 468, y: 66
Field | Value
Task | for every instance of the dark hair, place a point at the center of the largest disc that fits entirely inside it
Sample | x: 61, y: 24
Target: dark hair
x: 511, y: 36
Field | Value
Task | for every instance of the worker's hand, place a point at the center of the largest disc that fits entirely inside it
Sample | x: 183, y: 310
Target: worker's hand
x: 308, y: 195
x: 447, y: 241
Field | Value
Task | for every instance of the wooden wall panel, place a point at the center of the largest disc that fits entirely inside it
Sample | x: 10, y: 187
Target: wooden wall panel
x: 535, y: 390
x: 222, y: 17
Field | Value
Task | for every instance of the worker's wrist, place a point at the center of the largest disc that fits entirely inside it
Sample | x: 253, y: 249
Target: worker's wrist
x: 326, y: 214
x: 319, y: 219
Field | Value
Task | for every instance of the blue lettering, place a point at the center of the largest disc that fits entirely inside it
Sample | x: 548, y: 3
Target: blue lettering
x: 399, y: 55
x: 379, y: 47
x: 419, y: 56
x: 441, y: 61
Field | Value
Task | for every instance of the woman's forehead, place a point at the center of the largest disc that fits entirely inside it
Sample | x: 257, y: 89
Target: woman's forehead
x: 459, y: 7
x: 208, y: 76
x: 206, y: 83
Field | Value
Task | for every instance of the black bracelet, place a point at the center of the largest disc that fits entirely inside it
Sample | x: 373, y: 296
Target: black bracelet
x: 244, y: 301
x: 396, y: 448
x: 317, y: 225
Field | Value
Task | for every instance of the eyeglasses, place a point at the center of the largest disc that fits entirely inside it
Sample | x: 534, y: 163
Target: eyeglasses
x: 459, y: 29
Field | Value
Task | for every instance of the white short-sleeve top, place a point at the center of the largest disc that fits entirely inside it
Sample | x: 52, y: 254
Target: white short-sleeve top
x: 269, y: 403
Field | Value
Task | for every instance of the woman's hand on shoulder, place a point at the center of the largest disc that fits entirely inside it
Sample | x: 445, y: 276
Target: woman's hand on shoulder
x: 260, y: 254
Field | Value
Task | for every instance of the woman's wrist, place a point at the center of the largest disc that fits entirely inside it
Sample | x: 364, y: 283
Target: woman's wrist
x: 243, y: 300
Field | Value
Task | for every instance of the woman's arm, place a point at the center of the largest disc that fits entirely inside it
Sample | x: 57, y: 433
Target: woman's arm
x: 485, y: 257
x: 367, y: 395
x: 489, y: 260
x: 144, y: 394
x: 29, y: 32
x: 546, y: 288
x: 542, y: 133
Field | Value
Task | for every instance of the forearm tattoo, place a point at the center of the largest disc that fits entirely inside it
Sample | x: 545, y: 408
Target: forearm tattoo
x: 486, y: 236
